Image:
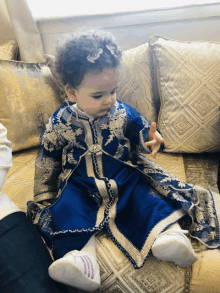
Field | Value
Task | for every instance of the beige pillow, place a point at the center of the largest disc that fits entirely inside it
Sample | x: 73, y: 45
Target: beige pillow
x: 9, y: 50
x: 135, y: 84
x: 188, y: 76
x: 28, y: 96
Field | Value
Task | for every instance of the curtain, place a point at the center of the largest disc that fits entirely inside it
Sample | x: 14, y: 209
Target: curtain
x: 17, y: 22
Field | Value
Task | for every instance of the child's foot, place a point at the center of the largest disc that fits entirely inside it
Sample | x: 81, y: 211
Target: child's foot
x: 77, y: 269
x: 173, y: 245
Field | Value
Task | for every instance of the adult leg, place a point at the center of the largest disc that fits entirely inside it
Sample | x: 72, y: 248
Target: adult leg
x: 24, y: 258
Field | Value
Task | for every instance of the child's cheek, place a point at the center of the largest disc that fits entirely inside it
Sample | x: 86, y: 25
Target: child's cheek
x: 97, y: 104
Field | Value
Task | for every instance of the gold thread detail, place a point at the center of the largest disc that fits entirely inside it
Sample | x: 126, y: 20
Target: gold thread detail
x: 105, y: 199
x: 47, y: 195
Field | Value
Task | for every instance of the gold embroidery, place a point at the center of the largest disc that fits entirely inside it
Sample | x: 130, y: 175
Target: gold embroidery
x: 47, y: 195
x: 49, y: 140
x: 115, y: 124
x: 112, y: 211
x: 217, y: 204
x: 105, y: 199
x: 90, y: 171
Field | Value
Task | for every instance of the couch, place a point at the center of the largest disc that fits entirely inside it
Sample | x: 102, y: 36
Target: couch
x: 171, y: 82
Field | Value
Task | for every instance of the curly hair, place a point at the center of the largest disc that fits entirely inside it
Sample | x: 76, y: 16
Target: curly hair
x: 71, y: 63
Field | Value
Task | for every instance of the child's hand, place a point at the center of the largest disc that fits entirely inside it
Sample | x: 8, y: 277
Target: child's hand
x: 154, y: 140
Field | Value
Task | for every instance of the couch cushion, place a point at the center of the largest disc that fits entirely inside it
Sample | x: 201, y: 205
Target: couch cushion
x: 188, y: 75
x: 9, y: 50
x: 202, y: 169
x: 28, y: 96
x: 135, y: 84
x: 206, y: 273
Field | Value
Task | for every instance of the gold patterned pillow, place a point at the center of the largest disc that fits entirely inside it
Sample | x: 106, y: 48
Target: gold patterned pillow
x: 28, y: 96
x: 188, y: 75
x: 9, y: 50
x: 135, y: 85
x: 50, y: 59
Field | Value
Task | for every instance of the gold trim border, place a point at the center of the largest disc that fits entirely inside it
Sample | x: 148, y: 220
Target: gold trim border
x: 139, y: 256
x: 44, y: 196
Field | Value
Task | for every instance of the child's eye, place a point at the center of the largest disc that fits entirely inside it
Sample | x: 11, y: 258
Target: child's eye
x: 97, y: 97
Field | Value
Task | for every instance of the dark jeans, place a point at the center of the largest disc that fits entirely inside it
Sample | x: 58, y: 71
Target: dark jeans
x: 24, y: 258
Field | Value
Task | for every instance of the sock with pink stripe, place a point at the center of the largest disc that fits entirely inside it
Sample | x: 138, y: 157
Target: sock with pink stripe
x: 78, y: 268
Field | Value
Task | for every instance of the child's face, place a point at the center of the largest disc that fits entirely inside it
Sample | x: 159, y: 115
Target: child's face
x: 97, y: 92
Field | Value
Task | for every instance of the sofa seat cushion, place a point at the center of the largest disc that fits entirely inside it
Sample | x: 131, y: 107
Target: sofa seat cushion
x: 202, y: 169
x: 206, y: 273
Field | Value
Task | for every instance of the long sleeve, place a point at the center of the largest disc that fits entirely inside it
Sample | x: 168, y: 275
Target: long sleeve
x: 5, y: 155
x: 48, y: 164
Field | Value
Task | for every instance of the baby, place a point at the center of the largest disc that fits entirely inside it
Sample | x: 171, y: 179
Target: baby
x: 91, y: 174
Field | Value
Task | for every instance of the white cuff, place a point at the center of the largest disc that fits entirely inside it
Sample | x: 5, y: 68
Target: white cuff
x: 3, y: 174
x: 7, y: 206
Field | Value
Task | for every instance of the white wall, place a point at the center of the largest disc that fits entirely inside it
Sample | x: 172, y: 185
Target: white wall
x: 198, y: 22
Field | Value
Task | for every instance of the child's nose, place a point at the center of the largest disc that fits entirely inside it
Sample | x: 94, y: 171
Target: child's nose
x: 108, y: 100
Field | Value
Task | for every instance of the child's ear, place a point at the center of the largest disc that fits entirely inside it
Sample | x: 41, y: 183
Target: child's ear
x: 70, y: 93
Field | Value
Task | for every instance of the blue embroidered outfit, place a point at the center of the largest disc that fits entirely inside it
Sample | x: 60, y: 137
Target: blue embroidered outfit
x: 97, y: 176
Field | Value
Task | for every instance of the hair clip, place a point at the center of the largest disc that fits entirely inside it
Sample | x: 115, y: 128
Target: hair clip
x: 93, y: 58
x: 111, y: 49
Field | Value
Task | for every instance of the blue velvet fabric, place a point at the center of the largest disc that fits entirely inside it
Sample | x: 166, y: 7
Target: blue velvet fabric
x: 139, y: 208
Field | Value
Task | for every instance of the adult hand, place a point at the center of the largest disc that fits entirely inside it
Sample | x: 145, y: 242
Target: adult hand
x: 154, y: 140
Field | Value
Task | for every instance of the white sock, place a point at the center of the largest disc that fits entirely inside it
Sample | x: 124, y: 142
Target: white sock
x: 84, y: 263
x: 88, y: 265
x: 78, y: 268
x: 173, y: 245
x: 7, y: 206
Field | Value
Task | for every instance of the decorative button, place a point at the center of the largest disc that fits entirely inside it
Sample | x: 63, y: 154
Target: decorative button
x: 94, y: 148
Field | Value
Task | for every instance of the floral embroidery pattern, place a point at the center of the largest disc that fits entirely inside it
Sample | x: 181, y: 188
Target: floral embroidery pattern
x: 116, y: 123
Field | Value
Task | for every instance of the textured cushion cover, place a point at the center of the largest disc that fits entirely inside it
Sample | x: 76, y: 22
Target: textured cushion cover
x: 188, y: 75
x: 135, y: 84
x: 206, y: 273
x: 9, y: 50
x: 28, y: 96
